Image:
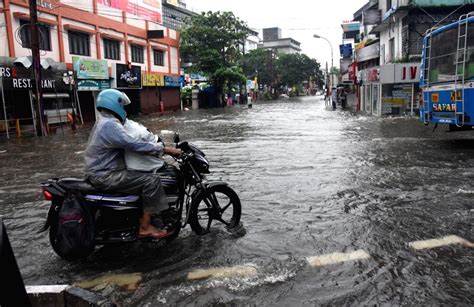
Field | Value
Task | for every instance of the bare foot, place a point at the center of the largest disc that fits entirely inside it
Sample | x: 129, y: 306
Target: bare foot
x: 153, y: 232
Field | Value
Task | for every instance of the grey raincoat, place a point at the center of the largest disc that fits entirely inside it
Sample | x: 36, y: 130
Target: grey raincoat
x: 105, y: 164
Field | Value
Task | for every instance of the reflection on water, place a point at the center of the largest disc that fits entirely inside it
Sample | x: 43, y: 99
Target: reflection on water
x: 312, y: 181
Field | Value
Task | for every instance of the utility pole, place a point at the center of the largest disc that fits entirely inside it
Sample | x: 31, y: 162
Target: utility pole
x: 35, y: 53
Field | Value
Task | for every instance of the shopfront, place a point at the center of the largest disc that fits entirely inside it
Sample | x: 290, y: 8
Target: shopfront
x: 18, y: 94
x: 92, y: 76
x: 400, y: 87
x: 370, y: 90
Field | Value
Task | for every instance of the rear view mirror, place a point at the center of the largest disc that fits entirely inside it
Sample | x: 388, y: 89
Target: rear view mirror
x: 176, y: 138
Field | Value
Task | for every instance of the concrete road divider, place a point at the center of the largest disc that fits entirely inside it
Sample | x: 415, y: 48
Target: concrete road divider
x: 333, y: 258
x: 433, y: 243
x: 246, y: 270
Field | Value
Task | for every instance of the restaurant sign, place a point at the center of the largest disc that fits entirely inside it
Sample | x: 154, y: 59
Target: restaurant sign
x: 20, y: 78
x: 90, y: 68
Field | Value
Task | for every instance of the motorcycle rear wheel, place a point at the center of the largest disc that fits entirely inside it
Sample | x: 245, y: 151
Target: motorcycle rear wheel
x: 202, y: 214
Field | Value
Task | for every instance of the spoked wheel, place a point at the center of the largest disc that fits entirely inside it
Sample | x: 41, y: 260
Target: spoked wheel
x: 221, y: 206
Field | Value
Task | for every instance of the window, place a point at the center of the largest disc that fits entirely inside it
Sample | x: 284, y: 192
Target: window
x: 389, y: 4
x: 391, y: 50
x: 158, y: 57
x: 137, y: 54
x: 79, y: 43
x: 111, y: 49
x: 44, y: 35
x: 444, y: 53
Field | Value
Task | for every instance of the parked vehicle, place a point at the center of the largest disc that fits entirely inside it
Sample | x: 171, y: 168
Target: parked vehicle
x: 115, y: 217
x: 447, y: 74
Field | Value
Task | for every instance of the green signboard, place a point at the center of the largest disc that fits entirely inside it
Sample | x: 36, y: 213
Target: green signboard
x: 93, y: 85
x: 90, y: 68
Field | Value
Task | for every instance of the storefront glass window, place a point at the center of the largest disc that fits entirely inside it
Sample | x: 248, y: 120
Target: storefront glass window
x: 396, y: 99
x: 375, y: 99
x: 367, y: 98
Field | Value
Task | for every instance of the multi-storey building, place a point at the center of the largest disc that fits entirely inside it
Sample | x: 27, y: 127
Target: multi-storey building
x: 175, y: 14
x: 392, y: 88
x: 102, y: 43
x: 272, y: 40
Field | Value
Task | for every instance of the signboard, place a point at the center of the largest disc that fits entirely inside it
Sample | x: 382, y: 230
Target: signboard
x: 125, y: 77
x: 20, y: 78
x: 368, y: 52
x: 174, y: 81
x: 90, y: 68
x: 145, y: 9
x: 400, y: 73
x: 93, y: 85
x: 153, y: 80
x: 346, y: 50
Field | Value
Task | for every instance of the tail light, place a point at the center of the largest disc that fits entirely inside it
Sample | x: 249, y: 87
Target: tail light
x: 47, y: 195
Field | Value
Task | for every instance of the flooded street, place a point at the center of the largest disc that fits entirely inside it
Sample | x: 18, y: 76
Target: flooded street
x: 312, y: 181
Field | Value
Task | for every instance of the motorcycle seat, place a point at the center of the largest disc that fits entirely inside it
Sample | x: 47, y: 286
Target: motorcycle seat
x: 78, y: 184
x: 84, y: 186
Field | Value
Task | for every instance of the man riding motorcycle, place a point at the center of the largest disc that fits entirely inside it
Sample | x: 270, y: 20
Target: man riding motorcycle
x: 105, y: 165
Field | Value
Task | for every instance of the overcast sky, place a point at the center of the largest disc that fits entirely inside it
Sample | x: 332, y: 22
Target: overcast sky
x: 298, y: 19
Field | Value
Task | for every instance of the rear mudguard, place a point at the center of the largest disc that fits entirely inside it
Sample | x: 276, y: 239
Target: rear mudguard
x: 52, y: 217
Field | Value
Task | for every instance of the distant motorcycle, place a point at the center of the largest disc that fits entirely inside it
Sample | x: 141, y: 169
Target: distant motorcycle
x: 116, y: 216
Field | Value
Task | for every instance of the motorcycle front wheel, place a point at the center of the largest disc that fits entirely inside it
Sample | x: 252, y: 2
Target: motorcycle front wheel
x: 203, y: 214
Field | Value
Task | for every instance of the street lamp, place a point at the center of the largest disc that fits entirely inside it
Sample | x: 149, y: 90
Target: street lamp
x: 332, y: 53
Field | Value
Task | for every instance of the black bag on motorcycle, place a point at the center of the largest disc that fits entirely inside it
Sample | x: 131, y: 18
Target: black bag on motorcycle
x: 75, y: 236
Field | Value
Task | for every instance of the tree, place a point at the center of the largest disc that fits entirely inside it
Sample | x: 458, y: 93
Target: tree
x: 258, y: 63
x: 293, y: 69
x: 213, y: 41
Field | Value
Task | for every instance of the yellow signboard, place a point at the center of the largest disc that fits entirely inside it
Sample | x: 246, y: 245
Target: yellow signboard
x: 153, y: 80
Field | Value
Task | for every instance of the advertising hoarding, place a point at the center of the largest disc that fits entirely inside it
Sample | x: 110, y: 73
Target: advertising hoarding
x: 153, y: 80
x: 90, y: 68
x: 147, y: 9
x: 127, y: 76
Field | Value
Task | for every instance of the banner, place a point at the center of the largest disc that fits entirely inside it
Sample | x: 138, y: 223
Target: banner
x: 153, y: 80
x: 147, y: 9
x: 90, y: 68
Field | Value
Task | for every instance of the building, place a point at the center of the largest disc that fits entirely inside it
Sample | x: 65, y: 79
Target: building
x: 367, y: 55
x: 102, y: 43
x: 272, y: 40
x: 350, y: 37
x: 392, y: 88
x: 175, y: 14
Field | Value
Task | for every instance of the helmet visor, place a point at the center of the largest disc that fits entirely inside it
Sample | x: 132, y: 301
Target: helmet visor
x: 125, y: 100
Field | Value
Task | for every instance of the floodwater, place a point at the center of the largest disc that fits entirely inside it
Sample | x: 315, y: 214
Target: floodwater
x: 312, y: 181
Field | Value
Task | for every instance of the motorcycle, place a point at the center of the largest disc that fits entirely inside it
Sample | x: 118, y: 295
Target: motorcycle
x: 116, y: 216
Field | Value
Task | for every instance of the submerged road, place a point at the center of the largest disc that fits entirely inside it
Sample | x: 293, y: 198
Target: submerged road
x: 338, y: 208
